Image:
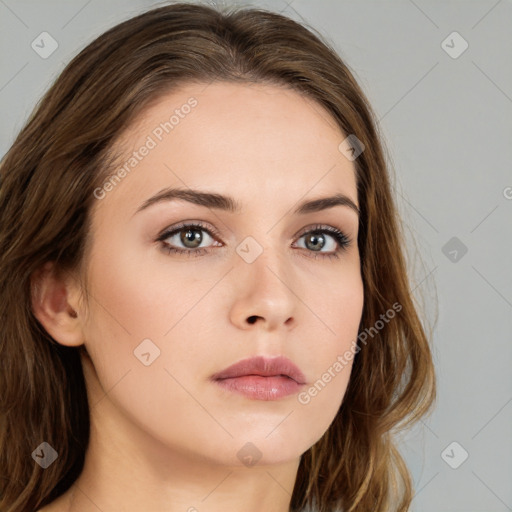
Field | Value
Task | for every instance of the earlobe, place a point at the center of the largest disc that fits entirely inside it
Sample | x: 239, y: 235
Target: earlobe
x: 51, y: 306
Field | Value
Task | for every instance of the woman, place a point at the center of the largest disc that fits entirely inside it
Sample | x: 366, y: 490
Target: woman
x: 204, y: 297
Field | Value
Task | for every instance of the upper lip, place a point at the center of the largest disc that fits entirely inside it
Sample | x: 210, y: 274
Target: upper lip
x: 264, y: 367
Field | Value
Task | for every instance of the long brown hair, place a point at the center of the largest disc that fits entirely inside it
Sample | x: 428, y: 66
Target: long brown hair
x: 47, y: 183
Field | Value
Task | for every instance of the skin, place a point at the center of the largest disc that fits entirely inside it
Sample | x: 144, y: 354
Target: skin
x: 164, y: 437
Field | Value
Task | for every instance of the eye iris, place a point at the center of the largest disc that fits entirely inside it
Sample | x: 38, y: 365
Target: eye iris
x: 189, y: 237
x: 315, y: 238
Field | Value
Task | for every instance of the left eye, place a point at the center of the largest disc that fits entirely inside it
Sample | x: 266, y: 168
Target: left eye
x: 316, y: 238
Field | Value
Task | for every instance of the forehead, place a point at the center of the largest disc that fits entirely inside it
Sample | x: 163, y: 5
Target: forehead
x: 258, y: 141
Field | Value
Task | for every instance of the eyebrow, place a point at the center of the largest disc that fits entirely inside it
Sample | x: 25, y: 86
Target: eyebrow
x: 226, y: 203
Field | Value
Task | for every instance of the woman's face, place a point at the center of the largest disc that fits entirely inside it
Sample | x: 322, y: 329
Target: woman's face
x: 255, y: 282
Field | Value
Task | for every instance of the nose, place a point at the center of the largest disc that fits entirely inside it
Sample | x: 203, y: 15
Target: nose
x: 264, y: 294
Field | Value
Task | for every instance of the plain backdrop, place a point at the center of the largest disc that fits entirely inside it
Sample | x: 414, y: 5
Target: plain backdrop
x: 439, y: 77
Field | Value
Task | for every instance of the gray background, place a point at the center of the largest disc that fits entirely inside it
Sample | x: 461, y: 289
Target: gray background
x: 448, y: 127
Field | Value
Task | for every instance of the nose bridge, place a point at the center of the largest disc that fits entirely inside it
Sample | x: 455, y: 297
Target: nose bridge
x: 263, y: 256
x: 264, y: 280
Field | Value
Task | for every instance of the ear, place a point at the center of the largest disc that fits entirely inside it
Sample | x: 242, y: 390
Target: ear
x: 55, y: 305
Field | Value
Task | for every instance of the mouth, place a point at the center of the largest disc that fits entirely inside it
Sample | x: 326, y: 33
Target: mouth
x: 261, y: 378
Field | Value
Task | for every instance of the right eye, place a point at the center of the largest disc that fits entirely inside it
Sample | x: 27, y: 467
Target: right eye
x: 189, y: 235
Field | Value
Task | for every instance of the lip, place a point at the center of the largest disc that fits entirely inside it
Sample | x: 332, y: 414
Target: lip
x: 261, y: 378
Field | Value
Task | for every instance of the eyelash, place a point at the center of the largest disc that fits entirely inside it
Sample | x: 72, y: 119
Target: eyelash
x: 341, y: 238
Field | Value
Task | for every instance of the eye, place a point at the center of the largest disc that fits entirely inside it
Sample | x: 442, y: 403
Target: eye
x: 316, y: 240
x: 190, y: 237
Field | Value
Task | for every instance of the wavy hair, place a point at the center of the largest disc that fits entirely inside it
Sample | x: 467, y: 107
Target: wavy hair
x: 65, y: 151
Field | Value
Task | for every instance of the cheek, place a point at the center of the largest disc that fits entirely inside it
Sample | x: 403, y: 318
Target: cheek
x: 339, y: 307
x: 331, y: 354
x: 143, y: 345
x: 136, y: 294
x: 145, y: 311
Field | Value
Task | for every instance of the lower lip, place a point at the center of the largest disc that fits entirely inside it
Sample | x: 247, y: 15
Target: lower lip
x: 257, y: 387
